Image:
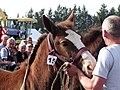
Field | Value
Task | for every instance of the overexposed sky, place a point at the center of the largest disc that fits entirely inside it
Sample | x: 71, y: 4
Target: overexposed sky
x: 13, y: 7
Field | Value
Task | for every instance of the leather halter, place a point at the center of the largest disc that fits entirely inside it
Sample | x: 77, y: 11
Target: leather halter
x: 78, y: 56
x: 62, y: 58
x: 52, y: 49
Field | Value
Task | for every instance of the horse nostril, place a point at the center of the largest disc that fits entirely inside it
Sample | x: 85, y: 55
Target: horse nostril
x: 89, y: 67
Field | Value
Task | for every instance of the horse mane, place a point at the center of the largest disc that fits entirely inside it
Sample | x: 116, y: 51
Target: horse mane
x: 92, y: 33
x: 93, y: 39
x: 32, y: 55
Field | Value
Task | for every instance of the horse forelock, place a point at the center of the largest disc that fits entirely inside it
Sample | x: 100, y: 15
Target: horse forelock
x: 93, y: 39
x: 91, y: 36
x: 65, y: 25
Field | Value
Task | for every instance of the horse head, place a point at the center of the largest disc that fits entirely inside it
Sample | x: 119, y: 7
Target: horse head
x: 66, y: 44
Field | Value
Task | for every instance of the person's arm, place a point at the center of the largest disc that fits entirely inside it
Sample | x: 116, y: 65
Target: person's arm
x: 95, y: 83
x: 5, y: 63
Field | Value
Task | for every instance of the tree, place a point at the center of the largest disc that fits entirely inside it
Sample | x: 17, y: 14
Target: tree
x: 103, y: 12
x: 18, y: 15
x: 118, y: 11
x: 61, y: 13
x: 58, y: 14
x: 40, y: 14
x: 84, y: 20
x: 37, y: 25
x: 77, y: 18
x: 112, y: 11
x: 96, y: 20
x: 50, y: 13
x: 30, y: 13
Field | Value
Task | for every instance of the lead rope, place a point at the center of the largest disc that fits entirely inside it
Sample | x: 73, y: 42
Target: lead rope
x: 24, y: 80
x: 62, y: 77
x: 67, y: 83
x: 65, y: 65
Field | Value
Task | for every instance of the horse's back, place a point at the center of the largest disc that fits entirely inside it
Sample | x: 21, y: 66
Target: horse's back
x: 11, y: 80
x: 4, y: 72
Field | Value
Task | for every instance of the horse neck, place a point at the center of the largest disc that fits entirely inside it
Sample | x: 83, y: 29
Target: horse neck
x: 39, y: 69
x: 40, y: 58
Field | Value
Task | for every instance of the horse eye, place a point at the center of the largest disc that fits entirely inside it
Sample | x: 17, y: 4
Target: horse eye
x: 64, y: 43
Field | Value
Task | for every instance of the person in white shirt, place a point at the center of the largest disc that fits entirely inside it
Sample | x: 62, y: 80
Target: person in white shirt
x: 4, y: 39
x: 6, y: 53
x: 106, y: 74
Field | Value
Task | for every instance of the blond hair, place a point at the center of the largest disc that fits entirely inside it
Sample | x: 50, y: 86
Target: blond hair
x: 11, y: 38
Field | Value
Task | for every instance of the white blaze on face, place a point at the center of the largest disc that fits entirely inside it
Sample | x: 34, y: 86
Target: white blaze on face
x: 74, y: 38
x: 88, y: 59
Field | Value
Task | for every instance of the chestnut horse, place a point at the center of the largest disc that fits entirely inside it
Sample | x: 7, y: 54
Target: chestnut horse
x: 93, y: 40
x: 62, y: 44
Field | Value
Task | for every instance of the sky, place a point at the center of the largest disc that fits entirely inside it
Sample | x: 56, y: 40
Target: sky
x: 13, y: 7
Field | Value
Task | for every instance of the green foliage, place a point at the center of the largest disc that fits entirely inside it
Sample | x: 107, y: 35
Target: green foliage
x: 83, y: 20
x: 112, y: 11
x: 30, y: 14
x: 38, y: 16
x: 118, y: 11
x: 103, y: 12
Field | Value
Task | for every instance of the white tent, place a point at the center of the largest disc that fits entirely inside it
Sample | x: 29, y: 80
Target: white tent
x: 35, y: 35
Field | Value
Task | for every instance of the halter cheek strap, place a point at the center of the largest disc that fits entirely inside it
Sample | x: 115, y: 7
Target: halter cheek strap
x: 78, y: 56
x: 52, y: 49
x: 50, y: 43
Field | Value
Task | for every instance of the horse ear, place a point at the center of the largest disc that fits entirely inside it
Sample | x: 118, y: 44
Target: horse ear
x: 70, y: 20
x: 71, y: 17
x: 49, y: 25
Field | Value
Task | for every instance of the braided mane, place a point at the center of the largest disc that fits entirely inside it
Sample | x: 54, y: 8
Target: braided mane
x: 33, y: 53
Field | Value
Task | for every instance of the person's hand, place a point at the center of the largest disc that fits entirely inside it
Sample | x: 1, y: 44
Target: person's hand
x: 88, y: 69
x: 72, y: 70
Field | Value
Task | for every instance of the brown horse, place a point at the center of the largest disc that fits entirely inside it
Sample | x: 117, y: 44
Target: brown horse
x: 93, y: 40
x: 62, y: 44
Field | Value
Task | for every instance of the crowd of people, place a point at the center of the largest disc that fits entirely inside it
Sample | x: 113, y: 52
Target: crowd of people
x: 11, y: 54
